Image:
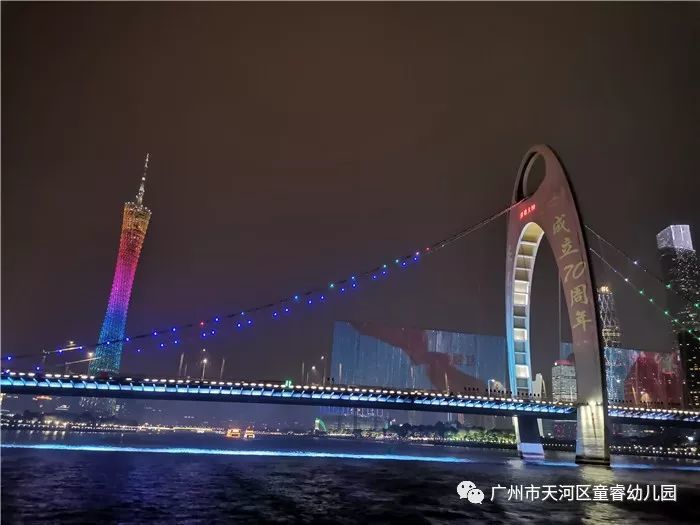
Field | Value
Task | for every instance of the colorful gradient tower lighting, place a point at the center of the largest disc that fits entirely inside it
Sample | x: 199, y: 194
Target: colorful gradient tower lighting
x: 108, y: 353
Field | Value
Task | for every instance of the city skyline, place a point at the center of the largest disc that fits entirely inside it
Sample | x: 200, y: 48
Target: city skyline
x: 609, y: 327
x: 423, y: 259
x: 240, y: 207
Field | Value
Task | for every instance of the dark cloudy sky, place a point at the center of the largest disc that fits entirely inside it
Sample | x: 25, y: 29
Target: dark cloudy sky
x: 294, y: 144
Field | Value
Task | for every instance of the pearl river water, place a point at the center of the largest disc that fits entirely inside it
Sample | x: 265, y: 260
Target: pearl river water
x: 59, y: 477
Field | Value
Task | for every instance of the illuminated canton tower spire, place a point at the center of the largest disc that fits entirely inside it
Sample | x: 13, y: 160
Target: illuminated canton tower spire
x: 108, y: 353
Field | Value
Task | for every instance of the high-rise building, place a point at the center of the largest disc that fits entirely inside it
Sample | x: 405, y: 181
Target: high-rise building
x: 369, y: 353
x: 134, y: 225
x: 645, y: 383
x: 612, y: 335
x: 563, y: 381
x: 681, y: 271
x: 689, y: 348
x: 609, y: 323
x: 366, y: 353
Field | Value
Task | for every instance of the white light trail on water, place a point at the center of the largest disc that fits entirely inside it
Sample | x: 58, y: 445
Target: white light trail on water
x: 225, y: 452
x: 333, y: 455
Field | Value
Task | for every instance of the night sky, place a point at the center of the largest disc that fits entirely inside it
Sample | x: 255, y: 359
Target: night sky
x: 295, y: 144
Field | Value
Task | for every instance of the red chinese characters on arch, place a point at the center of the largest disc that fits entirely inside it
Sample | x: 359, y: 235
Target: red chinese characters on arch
x: 527, y: 210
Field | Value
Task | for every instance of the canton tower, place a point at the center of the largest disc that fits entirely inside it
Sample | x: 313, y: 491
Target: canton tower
x: 108, y: 353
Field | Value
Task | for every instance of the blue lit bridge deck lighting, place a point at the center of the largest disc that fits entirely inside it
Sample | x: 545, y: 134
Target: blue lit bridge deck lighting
x: 317, y: 395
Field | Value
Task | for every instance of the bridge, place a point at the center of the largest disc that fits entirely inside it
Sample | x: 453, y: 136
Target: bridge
x: 318, y: 395
x: 537, y: 211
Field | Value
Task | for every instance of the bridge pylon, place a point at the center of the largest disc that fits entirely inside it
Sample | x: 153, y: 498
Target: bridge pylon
x: 550, y: 209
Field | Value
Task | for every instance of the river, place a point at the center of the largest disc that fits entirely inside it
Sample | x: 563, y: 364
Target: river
x: 55, y: 477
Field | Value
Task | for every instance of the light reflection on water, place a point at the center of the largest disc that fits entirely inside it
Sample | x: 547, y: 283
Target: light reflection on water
x: 316, y: 454
x: 228, y: 452
x: 138, y: 478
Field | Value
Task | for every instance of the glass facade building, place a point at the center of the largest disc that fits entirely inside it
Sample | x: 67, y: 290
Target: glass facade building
x: 681, y: 272
x: 563, y: 381
x: 611, y: 335
x: 376, y: 354
x: 379, y: 355
x: 609, y: 323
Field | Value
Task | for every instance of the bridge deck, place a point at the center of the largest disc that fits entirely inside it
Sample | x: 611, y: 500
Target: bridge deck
x: 316, y: 395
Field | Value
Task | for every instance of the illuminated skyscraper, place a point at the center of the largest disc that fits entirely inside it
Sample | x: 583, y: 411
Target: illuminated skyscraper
x: 679, y: 263
x: 564, y: 381
x: 609, y: 324
x: 611, y: 335
x: 108, y: 353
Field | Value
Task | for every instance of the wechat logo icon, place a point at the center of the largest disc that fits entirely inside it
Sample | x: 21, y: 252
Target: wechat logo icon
x: 467, y: 490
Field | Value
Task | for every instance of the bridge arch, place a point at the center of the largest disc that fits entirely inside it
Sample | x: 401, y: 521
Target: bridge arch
x: 550, y: 210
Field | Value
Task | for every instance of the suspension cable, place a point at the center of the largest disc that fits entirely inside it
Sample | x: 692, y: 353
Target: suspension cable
x: 690, y: 301
x: 641, y: 292
x: 338, y: 285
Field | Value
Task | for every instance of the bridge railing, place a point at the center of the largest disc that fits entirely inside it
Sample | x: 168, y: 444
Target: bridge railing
x: 658, y: 404
x: 484, y: 393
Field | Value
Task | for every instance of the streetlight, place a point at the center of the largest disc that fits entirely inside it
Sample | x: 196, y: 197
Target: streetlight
x: 313, y: 369
x: 179, y: 368
x: 323, y: 358
x: 68, y: 363
x: 204, y: 367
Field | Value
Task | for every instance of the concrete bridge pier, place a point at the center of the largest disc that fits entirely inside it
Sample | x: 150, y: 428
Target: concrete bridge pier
x: 527, y: 435
x: 591, y: 435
